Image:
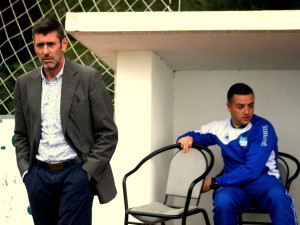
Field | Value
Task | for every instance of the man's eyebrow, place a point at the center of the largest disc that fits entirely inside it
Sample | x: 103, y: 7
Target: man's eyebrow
x: 241, y: 104
x: 45, y: 43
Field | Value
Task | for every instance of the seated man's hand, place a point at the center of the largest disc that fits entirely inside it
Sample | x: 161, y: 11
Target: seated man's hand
x: 186, y: 143
x: 206, y: 185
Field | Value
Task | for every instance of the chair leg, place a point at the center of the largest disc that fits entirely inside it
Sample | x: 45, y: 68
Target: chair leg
x: 126, y: 219
x: 183, y: 221
x: 240, y: 219
x: 207, y: 222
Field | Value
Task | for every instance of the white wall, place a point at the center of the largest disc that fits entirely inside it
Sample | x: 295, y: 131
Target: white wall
x: 200, y: 97
x: 13, y: 195
x: 162, y: 121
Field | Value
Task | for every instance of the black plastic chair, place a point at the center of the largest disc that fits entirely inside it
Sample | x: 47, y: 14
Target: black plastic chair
x: 287, y: 177
x: 185, y: 179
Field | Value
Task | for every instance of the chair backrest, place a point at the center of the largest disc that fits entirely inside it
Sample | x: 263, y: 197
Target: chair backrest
x: 184, y: 169
x: 283, y: 171
x: 288, y: 172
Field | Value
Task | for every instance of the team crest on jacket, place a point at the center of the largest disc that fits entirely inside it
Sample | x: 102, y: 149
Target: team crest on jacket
x: 243, y: 141
x: 226, y: 138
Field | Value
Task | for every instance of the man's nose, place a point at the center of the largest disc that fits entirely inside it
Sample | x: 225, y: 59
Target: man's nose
x: 46, y: 49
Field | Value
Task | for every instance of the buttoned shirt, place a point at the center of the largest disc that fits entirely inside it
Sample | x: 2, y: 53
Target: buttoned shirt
x: 53, y: 146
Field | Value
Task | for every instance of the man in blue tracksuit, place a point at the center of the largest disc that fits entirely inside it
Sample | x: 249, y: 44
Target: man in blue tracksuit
x: 249, y: 151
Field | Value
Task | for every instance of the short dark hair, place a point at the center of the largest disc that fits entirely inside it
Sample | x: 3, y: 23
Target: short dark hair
x: 239, y: 89
x: 47, y: 25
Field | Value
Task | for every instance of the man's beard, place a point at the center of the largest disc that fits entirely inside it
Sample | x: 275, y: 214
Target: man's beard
x: 50, y: 66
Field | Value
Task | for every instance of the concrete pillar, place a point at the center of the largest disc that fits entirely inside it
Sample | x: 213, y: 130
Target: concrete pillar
x: 144, y: 116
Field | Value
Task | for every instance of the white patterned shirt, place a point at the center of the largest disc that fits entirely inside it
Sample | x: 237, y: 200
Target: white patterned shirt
x: 53, y: 145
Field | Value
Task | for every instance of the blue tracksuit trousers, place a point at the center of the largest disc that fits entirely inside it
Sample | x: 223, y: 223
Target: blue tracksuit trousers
x: 265, y: 193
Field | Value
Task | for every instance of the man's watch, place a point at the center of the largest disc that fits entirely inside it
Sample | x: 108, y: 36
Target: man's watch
x: 213, y: 185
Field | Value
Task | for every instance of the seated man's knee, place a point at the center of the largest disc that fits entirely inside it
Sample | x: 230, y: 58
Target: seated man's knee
x: 225, y: 200
x: 277, y: 196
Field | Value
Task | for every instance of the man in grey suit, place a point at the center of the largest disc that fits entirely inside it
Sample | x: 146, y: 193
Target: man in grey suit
x: 65, y: 134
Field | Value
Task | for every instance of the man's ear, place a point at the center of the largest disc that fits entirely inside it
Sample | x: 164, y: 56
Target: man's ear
x: 228, y: 106
x: 64, y: 44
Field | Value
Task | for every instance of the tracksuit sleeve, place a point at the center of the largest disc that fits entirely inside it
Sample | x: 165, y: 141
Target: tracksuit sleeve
x: 204, y: 136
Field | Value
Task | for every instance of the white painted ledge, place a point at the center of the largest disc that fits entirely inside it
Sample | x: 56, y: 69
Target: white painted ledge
x: 183, y: 21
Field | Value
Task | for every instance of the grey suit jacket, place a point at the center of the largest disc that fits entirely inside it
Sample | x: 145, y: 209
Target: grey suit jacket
x: 86, y: 118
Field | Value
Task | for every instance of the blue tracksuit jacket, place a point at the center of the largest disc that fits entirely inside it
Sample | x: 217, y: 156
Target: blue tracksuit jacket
x: 248, y: 151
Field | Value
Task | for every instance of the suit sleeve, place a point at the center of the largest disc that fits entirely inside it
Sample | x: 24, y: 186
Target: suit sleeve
x: 104, y: 129
x: 21, y: 132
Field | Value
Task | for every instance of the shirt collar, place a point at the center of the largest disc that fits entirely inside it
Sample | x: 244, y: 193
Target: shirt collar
x: 58, y: 75
x: 238, y: 127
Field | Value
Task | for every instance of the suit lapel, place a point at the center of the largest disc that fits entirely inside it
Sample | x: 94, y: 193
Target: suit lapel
x: 69, y: 84
x: 34, y: 89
